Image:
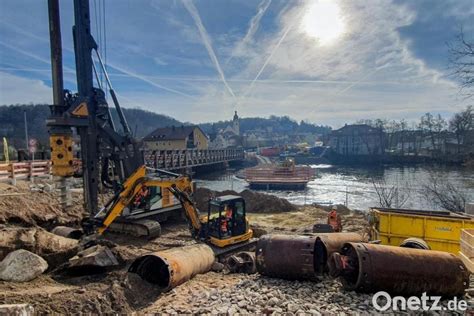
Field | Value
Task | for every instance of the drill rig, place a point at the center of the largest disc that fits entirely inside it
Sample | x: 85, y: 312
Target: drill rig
x: 111, y: 156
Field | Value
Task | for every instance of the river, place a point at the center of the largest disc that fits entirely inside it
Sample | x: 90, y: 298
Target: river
x: 353, y: 186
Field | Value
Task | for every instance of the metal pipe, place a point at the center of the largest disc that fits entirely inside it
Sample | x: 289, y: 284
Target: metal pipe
x: 286, y: 256
x: 329, y: 243
x: 370, y: 268
x: 56, y: 55
x: 170, y: 268
x: 304, y: 255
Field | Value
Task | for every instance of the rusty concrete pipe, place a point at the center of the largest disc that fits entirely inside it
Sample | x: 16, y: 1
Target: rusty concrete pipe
x: 397, y: 270
x: 327, y: 244
x: 68, y: 232
x: 172, y: 267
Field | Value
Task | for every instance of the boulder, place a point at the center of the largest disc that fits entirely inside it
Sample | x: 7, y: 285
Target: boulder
x: 22, y: 266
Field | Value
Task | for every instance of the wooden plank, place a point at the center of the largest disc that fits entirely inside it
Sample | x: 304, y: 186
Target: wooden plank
x: 467, y: 262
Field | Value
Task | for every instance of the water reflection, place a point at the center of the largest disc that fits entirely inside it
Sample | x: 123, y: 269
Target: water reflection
x: 353, y: 186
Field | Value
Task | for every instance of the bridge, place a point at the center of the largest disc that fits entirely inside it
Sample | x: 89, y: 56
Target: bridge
x: 191, y: 158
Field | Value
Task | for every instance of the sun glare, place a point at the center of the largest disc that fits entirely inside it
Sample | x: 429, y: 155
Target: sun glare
x: 323, y: 22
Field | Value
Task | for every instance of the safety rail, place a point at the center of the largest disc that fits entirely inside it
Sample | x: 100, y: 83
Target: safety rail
x: 179, y: 159
x: 24, y: 170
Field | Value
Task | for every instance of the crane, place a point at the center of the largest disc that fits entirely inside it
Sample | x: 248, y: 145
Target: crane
x: 112, y: 157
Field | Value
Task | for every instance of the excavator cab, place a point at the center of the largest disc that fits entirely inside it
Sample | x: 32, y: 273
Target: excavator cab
x: 227, y: 223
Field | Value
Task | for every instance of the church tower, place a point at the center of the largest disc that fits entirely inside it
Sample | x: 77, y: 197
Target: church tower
x: 236, y: 124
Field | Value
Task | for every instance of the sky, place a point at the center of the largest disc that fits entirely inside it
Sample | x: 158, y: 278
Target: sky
x: 324, y: 61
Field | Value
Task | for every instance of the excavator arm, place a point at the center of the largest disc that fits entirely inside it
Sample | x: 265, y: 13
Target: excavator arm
x: 180, y: 186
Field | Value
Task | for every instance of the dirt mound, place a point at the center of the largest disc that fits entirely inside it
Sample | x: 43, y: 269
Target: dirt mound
x: 21, y: 205
x: 341, y: 209
x: 255, y: 202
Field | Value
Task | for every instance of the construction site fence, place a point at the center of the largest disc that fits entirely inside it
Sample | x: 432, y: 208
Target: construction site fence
x: 188, y: 158
x: 10, y: 172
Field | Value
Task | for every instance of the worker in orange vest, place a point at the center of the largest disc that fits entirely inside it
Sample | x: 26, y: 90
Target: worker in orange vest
x: 334, y: 219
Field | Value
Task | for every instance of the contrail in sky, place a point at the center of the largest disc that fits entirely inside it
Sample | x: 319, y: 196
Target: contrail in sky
x: 47, y: 61
x: 268, y: 59
x: 24, y: 52
x: 206, y: 41
x: 143, y: 78
x: 253, y: 27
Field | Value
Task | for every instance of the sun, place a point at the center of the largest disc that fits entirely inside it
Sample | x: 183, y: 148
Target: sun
x: 323, y: 21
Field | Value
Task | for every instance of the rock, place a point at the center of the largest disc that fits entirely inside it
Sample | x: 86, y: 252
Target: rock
x: 22, y: 266
x: 217, y: 266
x: 17, y: 309
x: 272, y: 302
x: 292, y: 308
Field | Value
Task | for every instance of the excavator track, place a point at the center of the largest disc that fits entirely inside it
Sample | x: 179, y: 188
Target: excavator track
x: 140, y: 228
x: 223, y: 253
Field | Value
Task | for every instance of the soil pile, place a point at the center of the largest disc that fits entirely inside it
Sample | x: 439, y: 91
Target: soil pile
x: 37, y: 207
x: 254, y: 202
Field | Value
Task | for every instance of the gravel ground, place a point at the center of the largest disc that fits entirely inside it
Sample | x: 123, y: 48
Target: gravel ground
x: 212, y: 293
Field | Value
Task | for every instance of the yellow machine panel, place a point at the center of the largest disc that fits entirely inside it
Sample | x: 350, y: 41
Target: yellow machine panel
x: 441, y: 232
x: 62, y: 155
x: 81, y: 110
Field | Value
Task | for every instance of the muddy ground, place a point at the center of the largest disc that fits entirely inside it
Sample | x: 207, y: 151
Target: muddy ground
x: 214, y: 293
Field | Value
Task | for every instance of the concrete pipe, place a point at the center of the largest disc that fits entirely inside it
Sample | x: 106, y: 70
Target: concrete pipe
x: 329, y: 243
x: 407, y: 271
x: 68, y: 232
x: 170, y: 268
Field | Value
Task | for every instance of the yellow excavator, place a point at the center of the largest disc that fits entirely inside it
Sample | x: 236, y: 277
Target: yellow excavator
x: 225, y: 223
x: 113, y: 158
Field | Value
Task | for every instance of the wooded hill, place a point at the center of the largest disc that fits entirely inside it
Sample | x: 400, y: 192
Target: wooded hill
x: 141, y: 123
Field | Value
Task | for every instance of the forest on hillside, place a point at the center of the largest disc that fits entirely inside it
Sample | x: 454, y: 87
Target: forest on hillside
x: 12, y: 125
x: 141, y: 123
x: 277, y: 124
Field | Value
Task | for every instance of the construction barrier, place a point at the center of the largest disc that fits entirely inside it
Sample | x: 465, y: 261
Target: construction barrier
x: 24, y: 170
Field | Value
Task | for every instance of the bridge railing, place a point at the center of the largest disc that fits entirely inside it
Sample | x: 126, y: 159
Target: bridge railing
x: 177, y: 159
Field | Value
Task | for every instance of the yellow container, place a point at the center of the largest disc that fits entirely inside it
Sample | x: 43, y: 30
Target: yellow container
x: 441, y: 230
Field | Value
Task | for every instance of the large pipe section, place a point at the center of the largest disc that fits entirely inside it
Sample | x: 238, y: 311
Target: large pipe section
x: 298, y: 257
x: 329, y: 243
x: 286, y: 256
x: 172, y: 267
x: 370, y: 268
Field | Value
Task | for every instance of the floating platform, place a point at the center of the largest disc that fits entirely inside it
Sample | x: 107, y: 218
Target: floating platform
x: 283, y: 176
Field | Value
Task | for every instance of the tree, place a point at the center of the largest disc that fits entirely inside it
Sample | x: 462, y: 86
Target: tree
x: 461, y: 123
x: 390, y: 195
x: 443, y: 193
x: 433, y: 126
x: 461, y: 60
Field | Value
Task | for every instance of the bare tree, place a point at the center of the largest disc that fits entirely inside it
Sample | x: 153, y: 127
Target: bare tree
x: 433, y: 126
x: 461, y: 60
x: 390, y: 195
x: 443, y: 193
x: 461, y: 123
